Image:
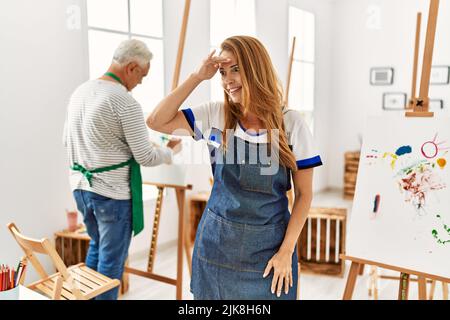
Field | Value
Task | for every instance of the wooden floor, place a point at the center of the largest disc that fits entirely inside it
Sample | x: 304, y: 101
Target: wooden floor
x: 312, y: 287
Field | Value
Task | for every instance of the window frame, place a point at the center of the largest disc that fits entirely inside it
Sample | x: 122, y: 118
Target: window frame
x: 307, y: 114
x: 129, y: 35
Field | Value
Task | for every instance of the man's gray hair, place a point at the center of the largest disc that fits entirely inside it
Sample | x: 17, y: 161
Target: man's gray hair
x: 132, y: 50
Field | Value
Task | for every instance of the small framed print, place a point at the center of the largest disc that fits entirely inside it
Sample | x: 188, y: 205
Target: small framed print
x: 436, y: 104
x: 394, y: 101
x: 440, y: 75
x: 381, y: 76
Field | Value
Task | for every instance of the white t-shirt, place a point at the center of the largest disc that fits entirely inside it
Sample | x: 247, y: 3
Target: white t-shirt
x: 207, y: 119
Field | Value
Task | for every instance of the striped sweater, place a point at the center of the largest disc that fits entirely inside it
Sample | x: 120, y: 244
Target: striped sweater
x: 105, y: 126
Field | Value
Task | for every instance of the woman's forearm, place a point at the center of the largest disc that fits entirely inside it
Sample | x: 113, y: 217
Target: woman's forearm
x: 167, y: 109
x: 296, y: 222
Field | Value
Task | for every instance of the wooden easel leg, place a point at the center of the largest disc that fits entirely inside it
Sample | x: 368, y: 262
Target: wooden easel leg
x: 361, y: 269
x: 403, y: 287
x: 422, y: 288
x: 444, y: 290
x: 180, y: 200
x: 187, y: 249
x: 373, y: 287
x: 432, y: 288
x: 188, y: 244
x: 155, y: 231
x: 351, y: 280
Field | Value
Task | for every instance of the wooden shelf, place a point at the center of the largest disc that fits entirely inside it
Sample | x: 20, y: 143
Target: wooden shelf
x: 350, y: 173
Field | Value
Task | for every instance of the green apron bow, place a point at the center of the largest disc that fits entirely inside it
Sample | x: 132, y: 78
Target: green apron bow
x: 135, y: 186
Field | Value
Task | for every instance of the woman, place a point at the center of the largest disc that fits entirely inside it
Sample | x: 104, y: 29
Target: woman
x: 245, y: 246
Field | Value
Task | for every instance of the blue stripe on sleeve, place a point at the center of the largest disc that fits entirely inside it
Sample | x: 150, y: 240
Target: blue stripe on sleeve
x: 190, y: 118
x: 189, y: 115
x: 309, y: 163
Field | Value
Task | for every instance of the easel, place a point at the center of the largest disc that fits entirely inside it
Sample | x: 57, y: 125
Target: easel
x: 290, y: 193
x: 404, y: 278
x: 374, y: 276
x: 180, y: 194
x: 420, y: 108
x: 178, y: 282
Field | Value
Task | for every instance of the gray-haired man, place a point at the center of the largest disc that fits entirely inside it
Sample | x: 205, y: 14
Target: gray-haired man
x: 106, y: 140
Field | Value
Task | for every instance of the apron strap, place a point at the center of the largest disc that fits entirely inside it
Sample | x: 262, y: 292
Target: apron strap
x: 88, y: 173
x: 135, y: 186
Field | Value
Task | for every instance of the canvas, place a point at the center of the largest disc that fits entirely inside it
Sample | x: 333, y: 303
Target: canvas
x: 401, y: 210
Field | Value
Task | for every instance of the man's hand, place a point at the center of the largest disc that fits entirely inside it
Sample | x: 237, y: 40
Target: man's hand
x: 175, y: 145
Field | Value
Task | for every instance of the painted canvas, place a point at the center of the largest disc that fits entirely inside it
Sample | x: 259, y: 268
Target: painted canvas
x: 401, y: 209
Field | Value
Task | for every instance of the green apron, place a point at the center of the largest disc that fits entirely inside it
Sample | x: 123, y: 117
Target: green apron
x: 135, y: 186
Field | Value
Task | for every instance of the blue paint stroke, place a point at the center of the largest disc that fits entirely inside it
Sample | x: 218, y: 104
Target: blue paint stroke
x: 403, y: 150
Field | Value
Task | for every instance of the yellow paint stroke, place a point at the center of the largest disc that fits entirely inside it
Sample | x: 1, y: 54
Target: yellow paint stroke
x: 393, y: 156
x: 441, y: 162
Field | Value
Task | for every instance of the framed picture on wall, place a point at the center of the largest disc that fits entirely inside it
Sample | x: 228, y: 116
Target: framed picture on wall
x: 436, y: 104
x: 394, y: 101
x: 440, y: 75
x: 381, y: 76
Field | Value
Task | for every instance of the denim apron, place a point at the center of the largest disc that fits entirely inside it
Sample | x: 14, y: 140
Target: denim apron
x: 242, y: 227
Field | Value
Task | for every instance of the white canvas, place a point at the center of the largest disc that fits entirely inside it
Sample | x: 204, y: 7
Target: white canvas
x: 405, y: 162
x: 173, y: 174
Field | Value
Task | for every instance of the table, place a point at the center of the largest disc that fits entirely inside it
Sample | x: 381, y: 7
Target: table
x: 21, y: 293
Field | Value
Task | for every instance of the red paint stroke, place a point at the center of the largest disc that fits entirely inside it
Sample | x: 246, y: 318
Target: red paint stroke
x: 418, y: 184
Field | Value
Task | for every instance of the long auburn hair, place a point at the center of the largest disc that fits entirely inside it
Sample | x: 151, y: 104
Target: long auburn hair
x: 262, y: 93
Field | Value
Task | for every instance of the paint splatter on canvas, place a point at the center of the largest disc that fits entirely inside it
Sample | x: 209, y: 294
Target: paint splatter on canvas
x: 442, y: 237
x: 415, y: 173
x: 405, y: 162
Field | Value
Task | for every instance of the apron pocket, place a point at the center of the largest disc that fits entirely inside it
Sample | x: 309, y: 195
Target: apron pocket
x: 251, y: 179
x: 261, y: 244
x: 237, y: 246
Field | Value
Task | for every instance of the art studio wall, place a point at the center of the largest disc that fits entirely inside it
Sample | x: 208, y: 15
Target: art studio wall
x: 42, y: 62
x: 375, y: 33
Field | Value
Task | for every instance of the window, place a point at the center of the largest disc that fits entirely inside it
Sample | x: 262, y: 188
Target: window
x: 112, y: 21
x: 237, y: 17
x: 301, y: 92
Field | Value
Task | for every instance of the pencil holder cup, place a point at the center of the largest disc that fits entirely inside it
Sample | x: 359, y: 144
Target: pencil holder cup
x: 72, y: 220
x: 11, y: 294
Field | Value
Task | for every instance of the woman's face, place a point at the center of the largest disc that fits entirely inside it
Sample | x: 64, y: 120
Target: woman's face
x: 231, y: 77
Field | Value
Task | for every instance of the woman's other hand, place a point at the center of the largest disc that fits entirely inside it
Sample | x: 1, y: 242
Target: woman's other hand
x: 281, y: 263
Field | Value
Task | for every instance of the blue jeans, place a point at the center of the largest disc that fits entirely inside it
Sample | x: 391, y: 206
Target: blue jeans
x: 108, y: 223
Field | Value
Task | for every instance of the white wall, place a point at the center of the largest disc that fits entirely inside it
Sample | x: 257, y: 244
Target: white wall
x: 356, y: 49
x: 42, y: 62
